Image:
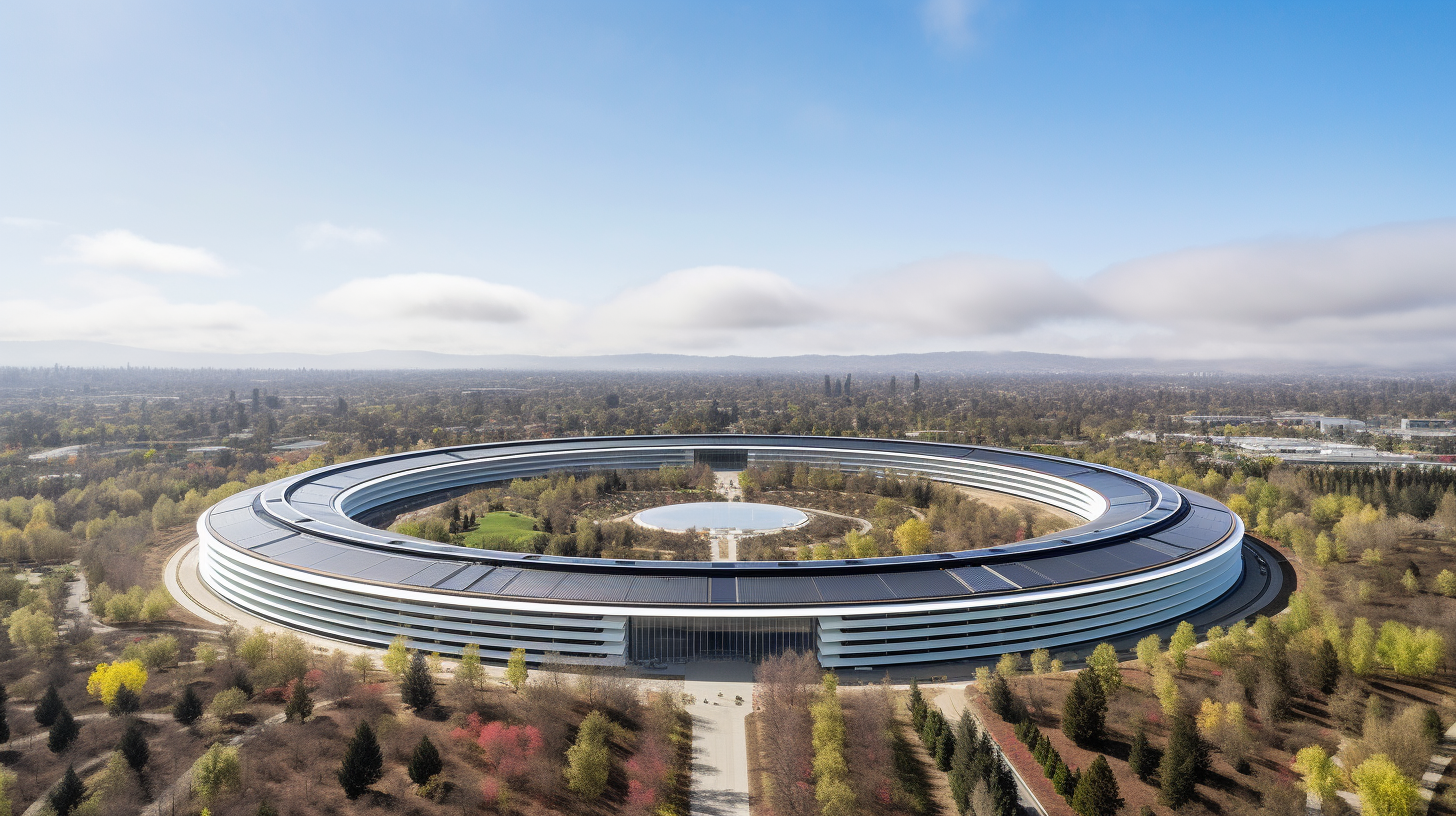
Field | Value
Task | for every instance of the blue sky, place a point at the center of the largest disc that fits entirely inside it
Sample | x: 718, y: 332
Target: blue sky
x: 732, y: 177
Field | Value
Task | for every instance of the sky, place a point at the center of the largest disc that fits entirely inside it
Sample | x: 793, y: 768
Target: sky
x: 1174, y: 180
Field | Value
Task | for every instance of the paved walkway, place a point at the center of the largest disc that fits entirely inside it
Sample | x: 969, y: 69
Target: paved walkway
x: 720, y: 736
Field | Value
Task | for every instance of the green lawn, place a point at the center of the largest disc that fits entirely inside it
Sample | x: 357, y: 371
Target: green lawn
x: 501, y: 531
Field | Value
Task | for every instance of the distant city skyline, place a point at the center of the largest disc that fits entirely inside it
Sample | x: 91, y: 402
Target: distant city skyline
x: 1168, y: 181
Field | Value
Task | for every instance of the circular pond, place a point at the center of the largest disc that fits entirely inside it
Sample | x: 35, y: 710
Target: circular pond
x: 721, y: 516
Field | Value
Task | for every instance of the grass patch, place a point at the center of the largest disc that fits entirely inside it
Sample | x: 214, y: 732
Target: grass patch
x: 503, y: 530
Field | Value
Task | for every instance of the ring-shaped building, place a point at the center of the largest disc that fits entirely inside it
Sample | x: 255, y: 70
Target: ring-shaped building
x: 297, y: 552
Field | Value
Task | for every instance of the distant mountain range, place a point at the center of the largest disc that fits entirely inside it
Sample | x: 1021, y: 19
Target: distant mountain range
x: 85, y: 354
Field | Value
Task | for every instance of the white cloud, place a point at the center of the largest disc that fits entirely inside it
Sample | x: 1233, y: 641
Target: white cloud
x: 948, y: 22
x: 1384, y: 295
x: 122, y: 249
x: 28, y: 224
x: 437, y: 297
x: 324, y: 234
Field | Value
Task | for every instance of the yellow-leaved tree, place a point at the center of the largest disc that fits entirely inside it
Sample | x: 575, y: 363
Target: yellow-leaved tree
x: 107, y: 679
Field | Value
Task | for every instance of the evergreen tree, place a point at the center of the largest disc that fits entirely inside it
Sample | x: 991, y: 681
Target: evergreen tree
x: 1184, y: 763
x: 49, y: 706
x: 363, y: 762
x: 1141, y: 758
x: 1051, y: 763
x: 1084, y: 713
x: 242, y: 682
x: 917, y: 706
x: 188, y: 707
x: 944, y: 747
x: 1039, y: 751
x: 4, y: 719
x: 69, y: 794
x: 424, y: 762
x: 962, y: 761
x: 126, y: 701
x: 300, y: 704
x: 133, y: 746
x: 1003, y: 789
x: 1062, y: 780
x: 64, y: 731
x: 418, y: 687
x: 1097, y: 793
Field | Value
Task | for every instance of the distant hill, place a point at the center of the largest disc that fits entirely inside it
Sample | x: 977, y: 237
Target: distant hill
x: 86, y: 354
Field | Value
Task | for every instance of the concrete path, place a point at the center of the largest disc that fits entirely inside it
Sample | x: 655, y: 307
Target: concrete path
x: 951, y: 703
x: 720, y: 738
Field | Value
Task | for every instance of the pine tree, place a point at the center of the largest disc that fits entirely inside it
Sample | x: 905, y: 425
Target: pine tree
x: 126, y: 701
x: 4, y: 719
x: 1141, y: 758
x: 69, y: 794
x: 1084, y: 713
x: 1184, y: 763
x: 133, y: 746
x: 418, y: 687
x: 917, y: 706
x: 424, y: 762
x: 300, y: 704
x: 363, y: 762
x: 1097, y: 793
x: 64, y: 731
x: 49, y: 706
x: 188, y: 707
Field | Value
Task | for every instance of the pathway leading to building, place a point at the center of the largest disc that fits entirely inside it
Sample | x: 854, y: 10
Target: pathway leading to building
x: 720, y: 736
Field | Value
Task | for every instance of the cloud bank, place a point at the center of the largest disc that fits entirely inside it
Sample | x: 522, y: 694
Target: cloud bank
x: 1385, y: 295
x: 122, y: 249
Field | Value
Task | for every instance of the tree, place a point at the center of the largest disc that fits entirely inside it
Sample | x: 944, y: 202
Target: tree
x: 63, y: 731
x: 1446, y: 583
x: 516, y: 672
x: 69, y: 793
x: 188, y: 707
x: 1084, y: 712
x: 126, y: 701
x: 913, y: 537
x: 133, y: 746
x: 469, y: 671
x: 32, y: 630
x: 1104, y: 664
x: 917, y: 705
x: 1184, y: 762
x: 1383, y: 789
x: 1041, y: 661
x: 217, y: 770
x: 1184, y: 639
x: 589, y: 759
x: 1097, y: 793
x: 363, y: 762
x: 1361, y: 648
x: 1327, y: 667
x: 228, y: 702
x: 4, y: 720
x: 300, y: 705
x: 417, y: 688
x: 1320, y: 775
x: 396, y: 657
x: 362, y: 663
x: 1142, y: 757
x: 7, y: 792
x: 1148, y: 651
x: 49, y: 706
x: 424, y: 762
x: 108, y: 678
